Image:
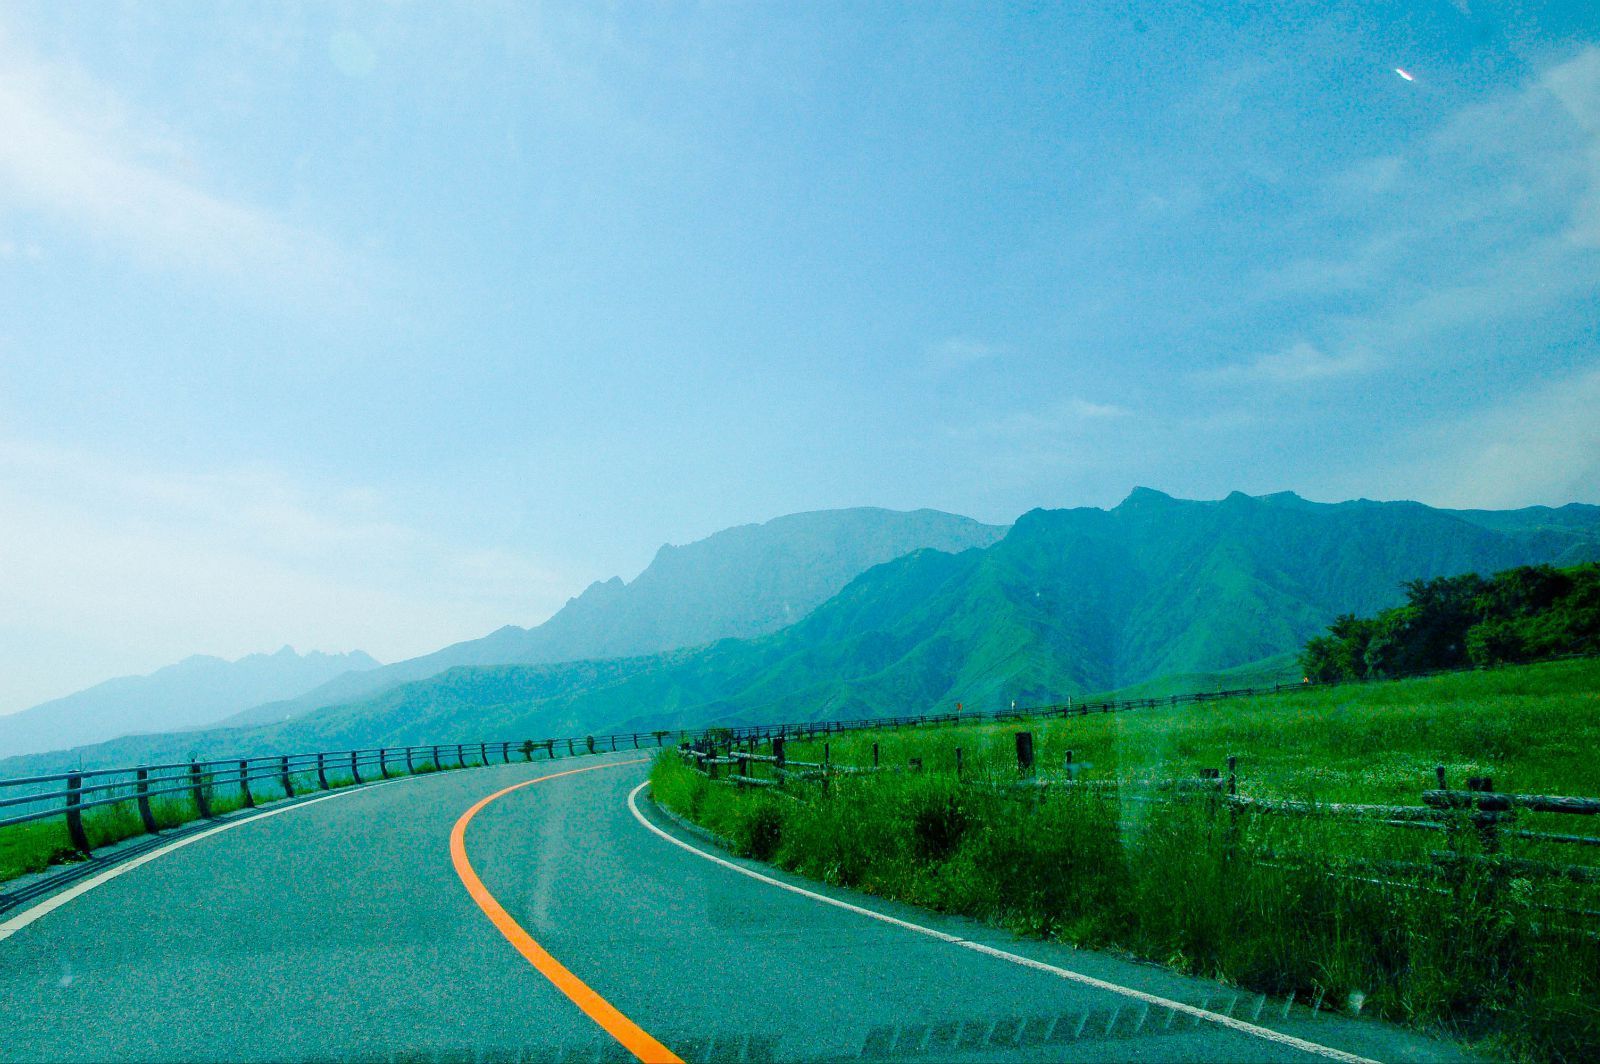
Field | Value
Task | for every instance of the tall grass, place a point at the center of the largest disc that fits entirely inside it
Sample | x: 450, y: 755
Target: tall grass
x: 1284, y: 906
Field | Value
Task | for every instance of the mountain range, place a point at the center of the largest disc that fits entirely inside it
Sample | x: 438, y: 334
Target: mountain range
x: 196, y: 691
x: 740, y: 582
x: 1065, y: 602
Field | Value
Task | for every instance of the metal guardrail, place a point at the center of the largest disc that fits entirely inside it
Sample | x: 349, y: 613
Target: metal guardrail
x: 25, y: 799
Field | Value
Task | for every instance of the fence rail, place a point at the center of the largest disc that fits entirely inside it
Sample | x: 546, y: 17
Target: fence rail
x: 1478, y: 813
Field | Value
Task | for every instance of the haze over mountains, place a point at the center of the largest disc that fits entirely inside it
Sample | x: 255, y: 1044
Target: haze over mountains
x: 198, y: 690
x: 740, y: 582
x: 1065, y: 602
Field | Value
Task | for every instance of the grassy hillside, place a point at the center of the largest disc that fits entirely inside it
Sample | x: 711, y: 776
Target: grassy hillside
x: 1532, y: 728
x: 1276, y: 904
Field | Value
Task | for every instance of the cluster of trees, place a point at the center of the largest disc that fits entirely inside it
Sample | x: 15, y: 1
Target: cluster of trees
x: 1523, y: 614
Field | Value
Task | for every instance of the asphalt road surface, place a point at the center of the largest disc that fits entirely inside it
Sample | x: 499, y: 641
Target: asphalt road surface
x: 436, y: 918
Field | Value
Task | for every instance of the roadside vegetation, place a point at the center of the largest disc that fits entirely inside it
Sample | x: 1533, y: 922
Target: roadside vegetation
x: 36, y: 845
x: 1281, y: 905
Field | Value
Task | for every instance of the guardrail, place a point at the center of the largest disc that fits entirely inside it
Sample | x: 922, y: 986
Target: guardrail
x: 244, y: 782
x: 202, y: 787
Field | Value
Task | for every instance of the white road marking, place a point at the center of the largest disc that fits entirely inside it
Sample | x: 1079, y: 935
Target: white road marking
x: 1265, y: 1033
x: 55, y: 901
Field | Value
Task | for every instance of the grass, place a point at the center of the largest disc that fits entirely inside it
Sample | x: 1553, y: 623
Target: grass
x: 37, y: 845
x: 1277, y: 905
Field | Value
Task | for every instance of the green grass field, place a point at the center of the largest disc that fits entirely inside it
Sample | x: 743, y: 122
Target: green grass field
x: 1276, y: 904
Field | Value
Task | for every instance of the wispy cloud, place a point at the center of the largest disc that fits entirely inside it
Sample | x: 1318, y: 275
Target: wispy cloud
x: 956, y: 353
x: 1301, y: 363
x: 1493, y: 217
x: 70, y: 147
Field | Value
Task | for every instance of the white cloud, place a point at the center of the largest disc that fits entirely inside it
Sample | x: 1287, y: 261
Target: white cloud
x: 118, y: 568
x: 1095, y: 411
x: 1301, y: 363
x: 957, y: 353
x: 71, y: 148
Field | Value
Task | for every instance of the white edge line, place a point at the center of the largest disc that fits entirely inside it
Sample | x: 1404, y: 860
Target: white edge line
x: 55, y: 901
x: 1206, y: 1015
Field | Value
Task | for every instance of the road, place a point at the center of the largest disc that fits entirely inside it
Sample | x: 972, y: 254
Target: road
x: 347, y: 929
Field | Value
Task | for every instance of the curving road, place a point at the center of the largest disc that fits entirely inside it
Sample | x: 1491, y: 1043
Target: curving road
x: 566, y: 924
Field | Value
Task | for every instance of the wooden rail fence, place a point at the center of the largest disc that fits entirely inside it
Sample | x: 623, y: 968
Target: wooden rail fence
x: 1479, y: 811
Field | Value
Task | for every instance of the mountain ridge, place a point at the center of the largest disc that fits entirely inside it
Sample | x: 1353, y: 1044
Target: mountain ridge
x: 197, y: 691
x: 1068, y: 602
x: 743, y: 581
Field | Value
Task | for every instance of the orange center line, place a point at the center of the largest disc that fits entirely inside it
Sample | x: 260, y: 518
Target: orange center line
x: 632, y: 1037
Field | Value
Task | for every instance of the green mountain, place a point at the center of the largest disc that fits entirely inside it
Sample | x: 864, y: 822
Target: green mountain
x: 197, y: 691
x: 1069, y: 602
x: 741, y: 582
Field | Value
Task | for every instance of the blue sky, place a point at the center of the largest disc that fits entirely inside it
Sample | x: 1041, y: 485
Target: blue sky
x: 382, y: 325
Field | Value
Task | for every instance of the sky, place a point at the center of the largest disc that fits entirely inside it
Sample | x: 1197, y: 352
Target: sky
x: 382, y: 325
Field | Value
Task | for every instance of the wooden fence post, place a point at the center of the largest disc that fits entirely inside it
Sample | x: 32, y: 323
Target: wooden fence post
x: 322, y: 771
x: 198, y: 789
x: 1485, y: 822
x: 1025, y: 752
x: 142, y: 789
x: 1233, y: 809
x: 411, y: 764
x: 244, y: 785
x: 355, y: 767
x: 958, y: 762
x: 777, y: 750
x: 75, y: 832
x: 483, y: 755
x: 550, y: 749
x: 383, y: 761
x: 874, y: 755
x: 283, y: 776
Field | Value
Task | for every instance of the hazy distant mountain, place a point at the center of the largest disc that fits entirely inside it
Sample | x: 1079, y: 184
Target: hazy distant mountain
x: 741, y: 582
x: 197, y: 691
